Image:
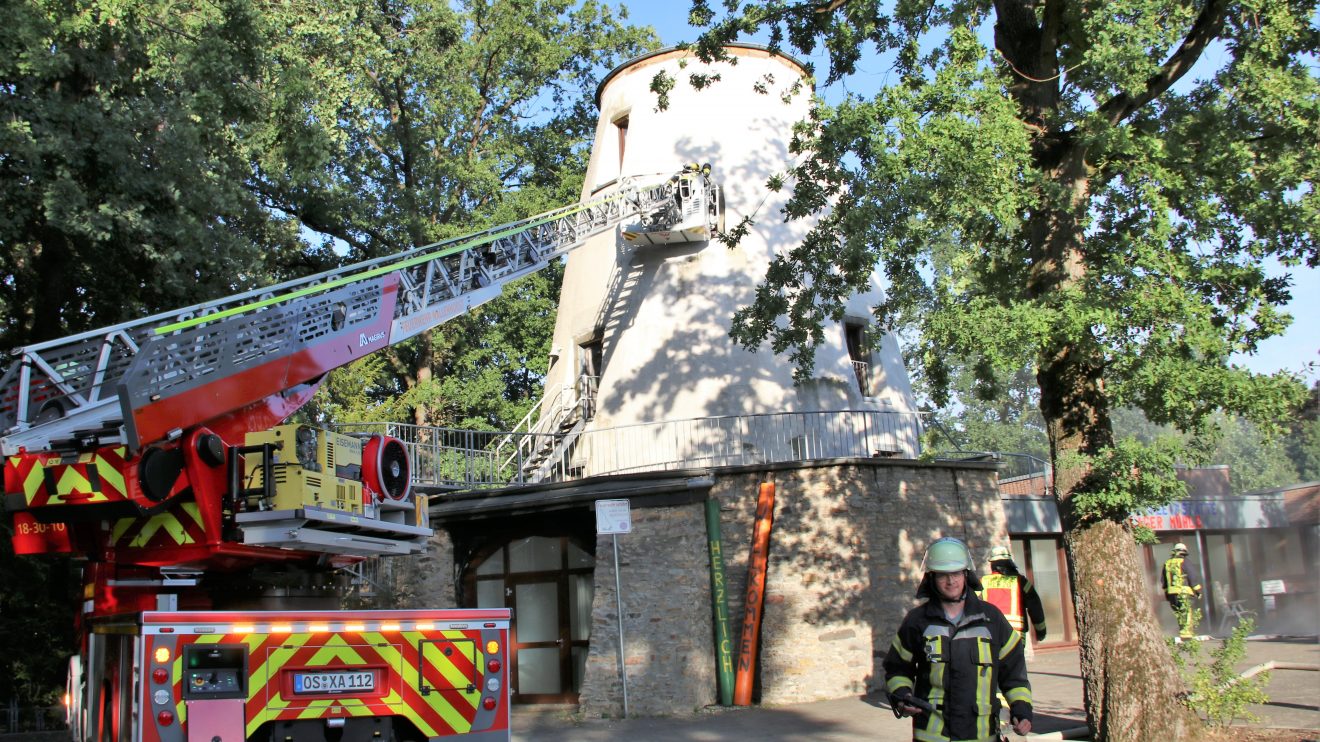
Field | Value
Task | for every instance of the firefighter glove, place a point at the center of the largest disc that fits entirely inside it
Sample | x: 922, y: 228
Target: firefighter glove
x: 1020, y: 711
x: 1040, y: 634
x: 901, y: 702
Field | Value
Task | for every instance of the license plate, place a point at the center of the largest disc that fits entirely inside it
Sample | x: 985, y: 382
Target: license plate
x: 334, y: 682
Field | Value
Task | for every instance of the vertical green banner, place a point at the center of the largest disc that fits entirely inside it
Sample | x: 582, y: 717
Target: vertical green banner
x: 719, y: 602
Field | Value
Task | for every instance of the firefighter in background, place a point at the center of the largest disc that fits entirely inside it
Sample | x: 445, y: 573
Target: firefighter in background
x: 1011, y: 592
x: 952, y: 653
x: 1180, y: 586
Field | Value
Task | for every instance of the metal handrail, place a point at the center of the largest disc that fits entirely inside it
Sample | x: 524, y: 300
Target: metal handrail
x: 748, y: 439
x: 1035, y: 468
x: 467, y: 459
x: 544, y: 420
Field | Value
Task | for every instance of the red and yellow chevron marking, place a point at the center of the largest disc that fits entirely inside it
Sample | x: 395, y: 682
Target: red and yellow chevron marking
x: 178, y: 525
x: 89, y: 478
x: 409, y: 658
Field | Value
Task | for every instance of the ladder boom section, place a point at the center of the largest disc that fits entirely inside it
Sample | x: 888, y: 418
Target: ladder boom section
x: 150, y: 379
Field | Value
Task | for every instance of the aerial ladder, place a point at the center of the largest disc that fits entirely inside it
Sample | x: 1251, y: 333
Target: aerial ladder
x: 158, y: 449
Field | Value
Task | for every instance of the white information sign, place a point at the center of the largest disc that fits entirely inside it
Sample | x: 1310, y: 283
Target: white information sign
x: 613, y: 516
x: 1272, y: 587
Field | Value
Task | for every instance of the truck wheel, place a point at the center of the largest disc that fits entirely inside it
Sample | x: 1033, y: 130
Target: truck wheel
x: 405, y: 732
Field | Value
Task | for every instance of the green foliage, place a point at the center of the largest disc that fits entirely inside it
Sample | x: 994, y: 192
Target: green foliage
x: 1216, y: 691
x: 407, y: 123
x: 1304, y: 450
x: 1144, y: 535
x: 166, y: 152
x: 123, y: 178
x: 36, y: 619
x: 1093, y: 198
x: 489, y: 366
x: 1258, y: 457
x: 1256, y: 460
x: 1125, y: 478
x: 1304, y: 438
x: 404, y: 122
x: 159, y: 154
x: 999, y: 413
x: 496, y: 363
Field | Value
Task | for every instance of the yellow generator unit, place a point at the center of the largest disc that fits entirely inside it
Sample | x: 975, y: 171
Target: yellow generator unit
x: 311, y: 467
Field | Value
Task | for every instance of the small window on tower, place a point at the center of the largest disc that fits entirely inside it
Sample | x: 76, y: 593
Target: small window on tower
x: 859, y: 353
x: 590, y: 362
x: 621, y: 125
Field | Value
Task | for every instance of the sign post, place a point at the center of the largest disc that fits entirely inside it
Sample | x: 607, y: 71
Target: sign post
x: 614, y: 517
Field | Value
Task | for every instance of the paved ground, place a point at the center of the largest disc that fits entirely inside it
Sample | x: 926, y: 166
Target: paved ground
x: 1055, y: 679
x: 1056, y: 685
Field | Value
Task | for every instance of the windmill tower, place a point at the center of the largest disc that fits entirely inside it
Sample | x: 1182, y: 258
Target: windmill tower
x: 643, y: 372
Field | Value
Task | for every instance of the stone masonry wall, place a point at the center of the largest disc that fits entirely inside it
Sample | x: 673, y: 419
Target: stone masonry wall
x: 844, y: 562
x: 664, y: 578
x: 845, y: 554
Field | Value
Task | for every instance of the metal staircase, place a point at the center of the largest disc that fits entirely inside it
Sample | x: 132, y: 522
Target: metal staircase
x: 149, y: 379
x: 540, y: 441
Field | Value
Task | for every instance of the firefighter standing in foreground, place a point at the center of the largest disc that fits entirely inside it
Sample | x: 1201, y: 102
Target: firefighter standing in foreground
x: 952, y: 653
x: 1180, y: 586
x: 1011, y: 592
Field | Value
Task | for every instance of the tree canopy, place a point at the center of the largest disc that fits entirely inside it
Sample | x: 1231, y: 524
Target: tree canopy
x: 123, y: 177
x: 1002, y: 415
x: 1085, y: 190
x: 445, y: 119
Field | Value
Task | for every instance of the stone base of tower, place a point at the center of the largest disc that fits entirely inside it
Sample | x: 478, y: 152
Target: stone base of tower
x: 844, y: 562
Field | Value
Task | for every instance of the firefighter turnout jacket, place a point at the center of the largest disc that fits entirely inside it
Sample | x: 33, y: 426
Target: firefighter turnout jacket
x: 959, y: 668
x: 1012, y: 592
x: 1178, y: 578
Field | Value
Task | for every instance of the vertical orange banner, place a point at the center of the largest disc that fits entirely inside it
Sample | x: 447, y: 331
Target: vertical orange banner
x: 756, y: 567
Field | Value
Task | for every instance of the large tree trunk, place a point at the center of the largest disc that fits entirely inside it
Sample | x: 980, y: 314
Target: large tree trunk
x: 422, y: 374
x: 1130, y: 682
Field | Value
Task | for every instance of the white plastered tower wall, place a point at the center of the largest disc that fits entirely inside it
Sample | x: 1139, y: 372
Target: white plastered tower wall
x: 661, y: 314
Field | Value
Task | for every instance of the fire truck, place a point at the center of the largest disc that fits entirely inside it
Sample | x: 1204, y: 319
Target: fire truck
x: 159, y: 452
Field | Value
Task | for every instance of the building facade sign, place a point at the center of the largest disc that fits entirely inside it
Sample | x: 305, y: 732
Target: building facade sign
x: 1227, y: 513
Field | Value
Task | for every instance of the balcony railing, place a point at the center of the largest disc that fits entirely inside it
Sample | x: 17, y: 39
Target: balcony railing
x: 1019, y: 473
x: 476, y: 459
x: 451, y: 457
x: 862, y: 370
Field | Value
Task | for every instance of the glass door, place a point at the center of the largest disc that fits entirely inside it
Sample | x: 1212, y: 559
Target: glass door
x: 1043, y: 562
x: 547, y: 581
x: 538, y: 640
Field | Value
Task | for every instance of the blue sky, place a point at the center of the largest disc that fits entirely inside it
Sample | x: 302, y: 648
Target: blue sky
x: 1290, y: 351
